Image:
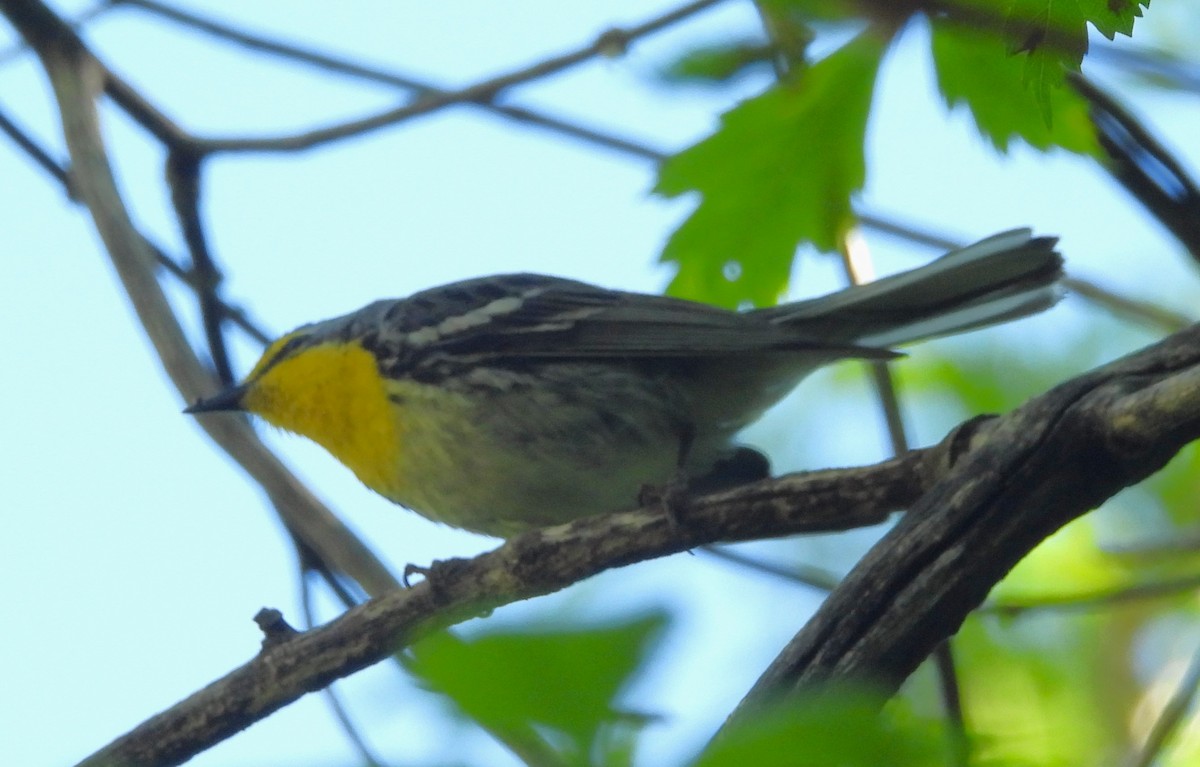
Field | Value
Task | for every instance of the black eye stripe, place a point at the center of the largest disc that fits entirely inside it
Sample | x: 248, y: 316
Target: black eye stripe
x: 282, y: 353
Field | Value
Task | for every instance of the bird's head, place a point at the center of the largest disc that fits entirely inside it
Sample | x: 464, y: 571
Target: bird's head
x: 327, y: 387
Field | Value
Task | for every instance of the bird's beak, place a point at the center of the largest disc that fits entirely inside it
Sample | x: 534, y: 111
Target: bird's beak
x: 230, y: 399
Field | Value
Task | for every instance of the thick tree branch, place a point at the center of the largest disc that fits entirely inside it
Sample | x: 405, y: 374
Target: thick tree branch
x: 530, y: 565
x: 1043, y: 465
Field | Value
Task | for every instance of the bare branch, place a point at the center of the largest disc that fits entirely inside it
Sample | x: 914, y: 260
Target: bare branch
x: 1096, y: 601
x: 343, y: 66
x: 88, y: 14
x: 1155, y: 66
x: 529, y: 565
x: 77, y: 80
x: 144, y: 113
x: 41, y: 156
x: 1144, y: 166
x: 806, y: 575
x: 1183, y: 541
x: 35, y: 151
x: 1144, y: 312
x: 614, y: 40
x: 1046, y: 463
x: 1172, y: 714
x: 184, y: 174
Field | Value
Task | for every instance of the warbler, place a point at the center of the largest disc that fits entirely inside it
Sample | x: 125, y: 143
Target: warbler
x: 521, y: 400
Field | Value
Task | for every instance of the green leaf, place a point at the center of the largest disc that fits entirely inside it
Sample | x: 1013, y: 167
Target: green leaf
x: 838, y: 727
x: 563, y: 680
x: 1063, y: 25
x: 1011, y: 95
x: 779, y: 172
x: 1043, y: 40
x: 1113, y: 17
x: 1048, y: 24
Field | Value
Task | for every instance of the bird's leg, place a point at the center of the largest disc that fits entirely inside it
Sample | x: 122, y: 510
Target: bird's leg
x: 673, y: 495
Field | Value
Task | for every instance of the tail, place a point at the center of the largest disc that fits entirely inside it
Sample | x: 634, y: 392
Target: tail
x: 1006, y: 276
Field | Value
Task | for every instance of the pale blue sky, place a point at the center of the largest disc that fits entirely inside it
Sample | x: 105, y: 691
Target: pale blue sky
x: 135, y: 554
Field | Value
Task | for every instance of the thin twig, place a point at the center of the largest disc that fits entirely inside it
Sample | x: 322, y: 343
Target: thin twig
x: 806, y: 575
x: 1145, y: 312
x: 910, y: 232
x: 859, y: 269
x: 826, y: 580
x: 613, y: 40
x: 55, y: 170
x: 1186, y: 540
x: 1099, y: 600
x: 184, y: 175
x: 39, y: 155
x: 146, y: 114
x: 1144, y: 166
x: 365, y: 753
x: 1156, y: 66
x: 1172, y: 714
x: 951, y: 694
x: 344, y: 66
x: 231, y: 313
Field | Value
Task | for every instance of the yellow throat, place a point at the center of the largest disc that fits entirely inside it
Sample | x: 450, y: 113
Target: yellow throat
x: 333, y: 394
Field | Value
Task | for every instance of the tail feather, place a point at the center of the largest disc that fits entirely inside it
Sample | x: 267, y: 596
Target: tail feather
x: 1003, y: 277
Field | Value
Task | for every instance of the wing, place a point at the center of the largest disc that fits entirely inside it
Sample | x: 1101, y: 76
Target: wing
x: 532, y: 315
